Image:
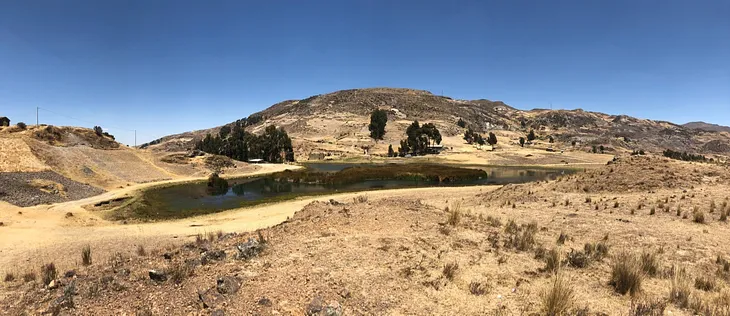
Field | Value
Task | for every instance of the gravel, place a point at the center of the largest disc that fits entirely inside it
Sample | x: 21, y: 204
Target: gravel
x: 15, y: 188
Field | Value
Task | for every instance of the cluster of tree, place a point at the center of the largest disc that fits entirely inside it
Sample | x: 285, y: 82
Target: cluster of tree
x: 378, y: 119
x: 472, y: 137
x: 419, y: 138
x: 595, y: 149
x: 638, y: 152
x: 684, y: 156
x: 274, y: 145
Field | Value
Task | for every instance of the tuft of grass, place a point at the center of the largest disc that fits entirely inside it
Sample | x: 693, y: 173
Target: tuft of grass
x: 360, y: 199
x: 521, y: 238
x: 29, y: 276
x: 48, y: 273
x: 211, y: 236
x: 601, y: 250
x: 647, y: 308
x: 552, y: 261
x: 680, y: 290
x: 478, y: 288
x: 450, y: 270
x: 178, y: 272
x: 86, y: 255
x: 699, y: 217
x: 705, y: 283
x: 649, y: 263
x: 561, y: 239
x: 723, y: 216
x: 652, y: 211
x: 454, y: 214
x: 141, y: 251
x: 626, y: 274
x: 616, y: 204
x: 679, y: 211
x: 9, y: 277
x: 588, y: 199
x: 494, y: 221
x: 199, y: 239
x: 558, y: 298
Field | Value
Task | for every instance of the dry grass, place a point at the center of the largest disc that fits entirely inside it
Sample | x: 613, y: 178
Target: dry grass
x: 646, y: 307
x: 705, y: 283
x: 649, y: 263
x: 29, y: 276
x: 558, y: 298
x: 450, y: 269
x: 681, y: 289
x: 626, y: 274
x: 9, y: 277
x: 360, y: 199
x: 48, y: 273
x: 454, y: 214
x: 478, y: 288
x: 178, y: 272
x: 699, y: 217
x: 86, y: 255
x: 552, y: 261
x: 141, y: 251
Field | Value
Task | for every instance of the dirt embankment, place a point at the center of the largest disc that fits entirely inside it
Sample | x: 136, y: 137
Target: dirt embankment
x: 44, y: 187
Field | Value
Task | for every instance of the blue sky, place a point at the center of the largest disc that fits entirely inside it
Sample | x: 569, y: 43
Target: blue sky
x: 163, y: 67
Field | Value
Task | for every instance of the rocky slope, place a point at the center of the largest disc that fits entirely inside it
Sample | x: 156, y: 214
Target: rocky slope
x: 707, y: 127
x: 337, y: 122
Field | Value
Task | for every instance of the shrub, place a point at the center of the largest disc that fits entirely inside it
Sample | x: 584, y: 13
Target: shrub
x: 217, y: 185
x: 478, y: 288
x: 22, y: 125
x: 723, y: 216
x: 626, y: 274
x: 578, y: 259
x: 705, y: 283
x: 601, y: 250
x: 48, y: 273
x: 522, y: 237
x: 699, y: 217
x: 9, y: 277
x: 86, y: 255
x: 558, y: 297
x: 652, y: 211
x: 649, y: 263
x: 450, y: 270
x: 615, y: 204
x: 98, y: 130
x: 461, y: 123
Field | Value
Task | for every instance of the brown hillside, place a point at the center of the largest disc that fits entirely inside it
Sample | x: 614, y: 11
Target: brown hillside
x: 337, y: 122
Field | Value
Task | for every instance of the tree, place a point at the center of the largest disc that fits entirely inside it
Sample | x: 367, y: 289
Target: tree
x: 461, y: 123
x: 21, y: 125
x: 274, y: 145
x: 225, y: 131
x: 492, y: 140
x: 551, y: 139
x: 522, y: 141
x: 595, y: 149
x: 419, y: 138
x: 391, y: 153
x: 378, y: 119
x: 531, y: 135
x: 469, y: 136
x: 573, y: 143
x: 98, y: 130
x: 480, y: 140
x: 601, y: 148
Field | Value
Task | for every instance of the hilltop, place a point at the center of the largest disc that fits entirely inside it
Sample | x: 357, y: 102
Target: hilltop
x: 336, y: 123
x: 707, y: 127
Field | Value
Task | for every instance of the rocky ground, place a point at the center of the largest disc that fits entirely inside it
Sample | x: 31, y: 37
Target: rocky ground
x: 44, y: 187
x: 624, y: 239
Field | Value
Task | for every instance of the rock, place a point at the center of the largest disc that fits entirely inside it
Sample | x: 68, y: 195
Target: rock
x: 317, y: 308
x: 53, y: 285
x: 213, y: 255
x: 210, y: 298
x: 70, y: 274
x: 167, y: 255
x: 264, y: 301
x: 218, y: 312
x: 158, y: 276
x: 228, y: 285
x: 335, y: 203
x: 249, y: 249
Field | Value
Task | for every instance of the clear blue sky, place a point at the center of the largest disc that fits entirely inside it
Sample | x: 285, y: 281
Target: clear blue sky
x: 164, y: 67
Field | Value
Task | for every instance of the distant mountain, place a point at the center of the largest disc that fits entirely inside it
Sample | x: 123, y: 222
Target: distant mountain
x: 338, y: 121
x: 707, y: 127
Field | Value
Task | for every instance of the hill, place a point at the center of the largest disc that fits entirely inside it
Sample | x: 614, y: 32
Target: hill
x: 336, y: 123
x: 707, y: 127
x: 49, y: 164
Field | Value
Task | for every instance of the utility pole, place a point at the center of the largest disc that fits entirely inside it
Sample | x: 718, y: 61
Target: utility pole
x: 36, y: 117
x: 135, y: 138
